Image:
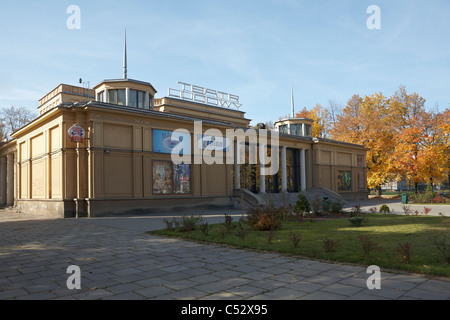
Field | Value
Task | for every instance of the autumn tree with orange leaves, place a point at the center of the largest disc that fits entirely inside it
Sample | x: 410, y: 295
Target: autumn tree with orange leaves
x: 404, y: 139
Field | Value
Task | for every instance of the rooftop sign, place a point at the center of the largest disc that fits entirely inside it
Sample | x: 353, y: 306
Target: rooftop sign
x: 203, y: 95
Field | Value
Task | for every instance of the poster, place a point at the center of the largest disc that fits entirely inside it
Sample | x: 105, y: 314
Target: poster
x: 344, y: 181
x: 182, y: 178
x: 164, y: 141
x: 162, y: 177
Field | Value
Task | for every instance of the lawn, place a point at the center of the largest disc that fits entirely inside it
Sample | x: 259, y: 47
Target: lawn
x: 428, y: 239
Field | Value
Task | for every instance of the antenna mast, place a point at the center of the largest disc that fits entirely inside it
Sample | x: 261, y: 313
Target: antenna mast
x: 292, y: 103
x: 125, y: 71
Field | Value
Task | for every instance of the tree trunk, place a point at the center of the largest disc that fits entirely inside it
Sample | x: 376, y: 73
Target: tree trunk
x: 416, y: 187
x: 378, y: 191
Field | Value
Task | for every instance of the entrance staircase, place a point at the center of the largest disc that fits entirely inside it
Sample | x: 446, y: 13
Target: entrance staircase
x: 284, y: 199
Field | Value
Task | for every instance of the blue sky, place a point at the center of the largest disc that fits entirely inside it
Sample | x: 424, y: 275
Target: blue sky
x: 254, y: 49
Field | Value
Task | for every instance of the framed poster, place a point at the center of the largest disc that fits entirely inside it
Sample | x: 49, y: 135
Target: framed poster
x: 181, y: 178
x: 162, y: 177
x: 164, y: 141
x: 344, y: 180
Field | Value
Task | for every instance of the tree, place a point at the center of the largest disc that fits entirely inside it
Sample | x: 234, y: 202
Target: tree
x: 366, y: 121
x: 14, y: 118
x: 421, y: 141
x: 320, y: 117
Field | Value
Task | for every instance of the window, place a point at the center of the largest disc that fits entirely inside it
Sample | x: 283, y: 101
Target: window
x: 117, y: 97
x: 296, y: 129
x: 283, y: 129
x: 344, y: 181
x: 101, y: 96
x: 137, y: 99
x: 170, y: 178
x: 308, y: 130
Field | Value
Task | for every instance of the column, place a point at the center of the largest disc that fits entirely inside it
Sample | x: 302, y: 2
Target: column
x: 262, y: 176
x: 237, y: 167
x: 106, y: 96
x: 3, y: 180
x: 302, y: 170
x: 303, y: 130
x: 283, y: 170
x: 10, y: 179
x: 127, y: 97
x: 147, y: 101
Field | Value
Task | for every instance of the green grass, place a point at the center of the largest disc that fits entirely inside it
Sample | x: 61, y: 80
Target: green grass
x: 385, y: 230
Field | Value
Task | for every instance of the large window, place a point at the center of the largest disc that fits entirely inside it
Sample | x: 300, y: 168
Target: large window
x: 296, y: 129
x: 344, y: 180
x: 137, y: 99
x: 117, y: 97
x: 170, y: 178
x: 283, y: 129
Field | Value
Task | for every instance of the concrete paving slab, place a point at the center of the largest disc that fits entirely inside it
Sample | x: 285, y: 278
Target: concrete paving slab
x: 119, y: 261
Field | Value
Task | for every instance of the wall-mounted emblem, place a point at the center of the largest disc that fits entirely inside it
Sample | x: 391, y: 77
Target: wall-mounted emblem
x: 76, y: 133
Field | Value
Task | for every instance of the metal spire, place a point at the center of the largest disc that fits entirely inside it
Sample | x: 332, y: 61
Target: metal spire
x: 292, y: 103
x: 125, y: 71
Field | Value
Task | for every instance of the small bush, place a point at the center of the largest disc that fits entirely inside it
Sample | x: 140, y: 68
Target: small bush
x: 302, y: 204
x: 404, y: 250
x: 229, y: 222
x: 270, y: 235
x: 263, y: 219
x: 441, y: 244
x: 367, y: 245
x: 407, y: 209
x: 241, y: 232
x: 356, y: 211
x: 316, y: 205
x: 336, y: 207
x: 204, y: 228
x: 357, y: 221
x: 330, y: 245
x: 295, y: 238
x: 384, y: 209
x: 190, y: 223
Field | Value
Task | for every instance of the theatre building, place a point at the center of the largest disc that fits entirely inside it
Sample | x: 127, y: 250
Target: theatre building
x: 108, y: 151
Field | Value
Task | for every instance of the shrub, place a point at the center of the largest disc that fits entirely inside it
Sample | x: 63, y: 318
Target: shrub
x: 190, y: 223
x: 443, y: 247
x: 407, y: 209
x: 356, y: 211
x: 404, y: 250
x: 270, y: 235
x: 263, y: 219
x: 302, y: 204
x: 367, y: 245
x: 241, y: 232
x: 336, y: 207
x: 295, y: 238
x: 357, y: 221
x: 330, y: 245
x: 316, y: 205
x: 229, y: 222
x: 170, y: 224
x: 204, y: 228
x: 384, y: 209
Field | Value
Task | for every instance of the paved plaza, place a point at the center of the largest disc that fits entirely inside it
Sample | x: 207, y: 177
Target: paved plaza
x: 118, y: 260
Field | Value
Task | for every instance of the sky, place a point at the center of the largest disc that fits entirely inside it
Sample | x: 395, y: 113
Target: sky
x: 258, y: 50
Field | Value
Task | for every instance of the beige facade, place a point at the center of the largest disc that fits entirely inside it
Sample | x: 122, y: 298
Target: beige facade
x: 117, y: 169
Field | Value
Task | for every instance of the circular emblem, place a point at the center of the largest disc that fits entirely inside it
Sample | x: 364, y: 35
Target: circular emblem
x: 76, y: 133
